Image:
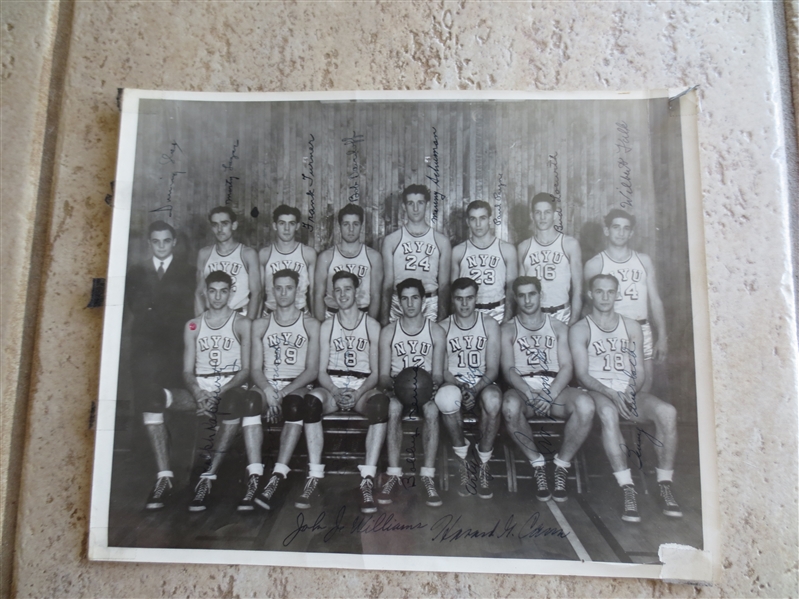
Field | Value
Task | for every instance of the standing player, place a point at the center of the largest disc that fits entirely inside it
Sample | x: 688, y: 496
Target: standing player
x: 554, y: 259
x: 416, y: 251
x: 287, y: 252
x: 236, y: 259
x: 158, y: 295
x: 351, y: 256
x: 473, y: 365
x: 491, y: 263
x: 285, y: 352
x: 638, y: 289
x: 412, y: 341
x: 348, y: 375
x: 216, y: 363
x: 537, y: 365
x: 605, y: 346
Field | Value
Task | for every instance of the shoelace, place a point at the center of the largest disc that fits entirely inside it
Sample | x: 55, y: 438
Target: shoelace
x: 202, y: 489
x: 483, y: 474
x: 665, y: 493
x: 366, y: 490
x: 430, y: 486
x: 540, y: 478
x: 160, y: 487
x: 560, y: 478
x: 271, y: 486
x: 310, y: 485
x: 464, y: 471
x: 630, y: 504
x: 389, y: 486
x: 252, y: 487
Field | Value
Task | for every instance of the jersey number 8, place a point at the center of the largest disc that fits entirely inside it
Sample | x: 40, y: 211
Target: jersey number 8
x: 616, y: 361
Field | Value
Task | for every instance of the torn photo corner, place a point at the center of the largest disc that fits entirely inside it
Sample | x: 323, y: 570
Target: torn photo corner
x: 438, y: 331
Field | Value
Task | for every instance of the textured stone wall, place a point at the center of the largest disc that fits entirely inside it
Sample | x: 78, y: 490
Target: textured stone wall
x: 729, y: 49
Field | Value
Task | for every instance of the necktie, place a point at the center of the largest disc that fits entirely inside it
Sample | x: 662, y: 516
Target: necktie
x: 161, y: 271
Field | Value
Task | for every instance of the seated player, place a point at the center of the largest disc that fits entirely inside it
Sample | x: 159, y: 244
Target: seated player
x: 537, y: 366
x: 416, y: 343
x: 285, y: 353
x: 348, y: 374
x: 473, y: 366
x: 607, y: 349
x: 216, y: 365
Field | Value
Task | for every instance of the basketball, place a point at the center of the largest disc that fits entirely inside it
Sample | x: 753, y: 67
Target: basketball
x: 414, y: 387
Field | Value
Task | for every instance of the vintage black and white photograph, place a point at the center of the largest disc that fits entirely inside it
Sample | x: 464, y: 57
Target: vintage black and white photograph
x: 409, y: 331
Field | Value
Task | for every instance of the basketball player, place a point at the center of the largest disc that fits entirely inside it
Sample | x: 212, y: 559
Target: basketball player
x: 473, y: 366
x: 554, y: 259
x: 236, y: 259
x: 638, y: 289
x: 491, y: 263
x: 216, y: 365
x: 605, y: 346
x: 348, y: 375
x: 411, y: 341
x: 537, y: 366
x: 351, y: 256
x: 285, y: 352
x: 159, y: 297
x: 416, y: 251
x: 287, y: 252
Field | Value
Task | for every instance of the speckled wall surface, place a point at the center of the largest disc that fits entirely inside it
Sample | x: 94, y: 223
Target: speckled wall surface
x: 727, y: 48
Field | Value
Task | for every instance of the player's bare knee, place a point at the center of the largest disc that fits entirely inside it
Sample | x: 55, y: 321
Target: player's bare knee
x: 377, y: 409
x: 511, y: 407
x: 292, y: 406
x: 584, y: 406
x: 667, y: 414
x: 430, y: 411
x: 491, y: 401
x: 608, y: 414
x: 313, y: 409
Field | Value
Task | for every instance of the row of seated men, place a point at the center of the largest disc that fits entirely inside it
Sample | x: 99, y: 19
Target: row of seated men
x: 299, y: 383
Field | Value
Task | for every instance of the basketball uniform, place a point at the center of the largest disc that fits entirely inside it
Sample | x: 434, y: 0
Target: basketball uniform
x: 417, y: 258
x: 467, y: 350
x: 348, y: 363
x: 411, y: 350
x: 285, y: 349
x: 550, y: 264
x: 359, y: 266
x: 632, y: 298
x: 295, y: 261
x: 234, y: 265
x: 609, y: 355
x: 535, y: 354
x: 217, y: 354
x: 487, y: 268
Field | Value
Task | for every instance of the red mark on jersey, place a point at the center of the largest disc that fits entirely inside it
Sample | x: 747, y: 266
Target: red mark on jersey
x: 192, y: 326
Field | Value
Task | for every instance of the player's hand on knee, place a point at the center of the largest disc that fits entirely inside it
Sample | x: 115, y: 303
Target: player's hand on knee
x: 661, y: 349
x: 203, y: 399
x: 469, y: 398
x: 345, y: 399
x: 540, y: 404
x: 272, y: 409
x: 623, y: 404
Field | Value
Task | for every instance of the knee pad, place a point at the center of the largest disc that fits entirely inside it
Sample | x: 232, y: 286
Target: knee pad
x: 313, y: 409
x: 152, y: 398
x: 293, y: 408
x: 377, y: 409
x: 232, y: 404
x: 252, y: 404
x: 448, y: 399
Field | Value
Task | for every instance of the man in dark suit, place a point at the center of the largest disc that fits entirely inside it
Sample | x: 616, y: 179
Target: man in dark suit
x: 159, y: 295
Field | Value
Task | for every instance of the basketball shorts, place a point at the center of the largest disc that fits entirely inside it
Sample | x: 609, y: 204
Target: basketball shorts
x: 616, y: 384
x: 213, y: 383
x: 347, y: 382
x: 429, y: 308
x: 541, y: 384
x: 497, y: 313
x: 564, y: 314
x: 649, y: 344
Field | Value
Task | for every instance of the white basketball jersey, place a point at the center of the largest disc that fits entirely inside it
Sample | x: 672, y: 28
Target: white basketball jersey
x: 295, y: 261
x: 467, y: 350
x: 285, y: 349
x: 487, y: 268
x: 417, y: 258
x: 359, y: 266
x: 411, y: 350
x: 217, y: 350
x: 632, y: 297
x: 535, y: 351
x: 233, y: 265
x: 609, y: 353
x: 349, y: 349
x: 550, y: 264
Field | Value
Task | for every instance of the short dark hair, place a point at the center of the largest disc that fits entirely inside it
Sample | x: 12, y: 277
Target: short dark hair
x: 220, y: 209
x: 160, y: 225
x: 287, y: 272
x: 605, y: 276
x: 543, y: 197
x: 416, y: 188
x: 219, y: 276
x: 408, y: 284
x: 618, y: 213
x: 463, y: 283
x: 524, y: 280
x: 476, y: 205
x: 350, y: 209
x: 287, y: 210
x: 345, y: 274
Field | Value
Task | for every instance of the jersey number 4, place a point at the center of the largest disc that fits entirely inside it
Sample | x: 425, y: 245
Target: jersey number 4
x: 631, y: 292
x: 412, y: 263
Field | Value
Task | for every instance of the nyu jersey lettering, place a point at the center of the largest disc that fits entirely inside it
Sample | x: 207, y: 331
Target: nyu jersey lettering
x: 233, y: 265
x: 285, y: 348
x: 349, y: 348
x: 487, y: 268
x: 411, y: 350
x: 295, y: 261
x: 467, y: 350
x: 535, y: 350
x: 550, y: 264
x: 632, y: 297
x: 217, y: 350
x: 609, y: 354
x: 417, y: 258
x: 359, y: 266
